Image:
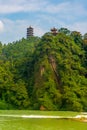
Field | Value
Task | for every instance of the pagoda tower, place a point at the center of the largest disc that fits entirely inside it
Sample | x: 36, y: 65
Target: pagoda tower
x: 54, y: 31
x: 29, y: 32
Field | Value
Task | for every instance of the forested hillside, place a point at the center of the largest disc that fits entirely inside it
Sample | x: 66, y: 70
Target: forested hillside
x: 47, y: 73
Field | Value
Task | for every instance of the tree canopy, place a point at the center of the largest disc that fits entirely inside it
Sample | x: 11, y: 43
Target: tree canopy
x: 47, y: 73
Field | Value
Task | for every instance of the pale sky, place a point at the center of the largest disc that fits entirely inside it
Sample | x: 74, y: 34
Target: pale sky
x: 17, y: 15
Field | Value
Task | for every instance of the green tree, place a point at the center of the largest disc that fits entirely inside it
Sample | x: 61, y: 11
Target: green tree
x: 77, y: 36
x: 65, y: 31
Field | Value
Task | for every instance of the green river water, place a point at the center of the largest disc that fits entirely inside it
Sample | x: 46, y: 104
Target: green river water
x: 10, y: 123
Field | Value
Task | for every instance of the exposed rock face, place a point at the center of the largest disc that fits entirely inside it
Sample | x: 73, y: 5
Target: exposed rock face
x: 42, y: 108
x: 42, y: 69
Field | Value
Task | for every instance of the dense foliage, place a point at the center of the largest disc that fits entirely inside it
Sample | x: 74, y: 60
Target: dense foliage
x: 47, y: 73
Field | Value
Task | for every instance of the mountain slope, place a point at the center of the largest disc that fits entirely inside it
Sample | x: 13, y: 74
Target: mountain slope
x: 59, y: 81
x: 47, y: 73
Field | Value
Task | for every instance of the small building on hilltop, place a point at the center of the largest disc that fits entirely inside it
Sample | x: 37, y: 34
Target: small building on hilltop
x: 30, y: 31
x: 54, y: 31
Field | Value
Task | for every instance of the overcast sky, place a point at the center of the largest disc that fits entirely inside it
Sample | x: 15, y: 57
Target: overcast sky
x: 17, y: 15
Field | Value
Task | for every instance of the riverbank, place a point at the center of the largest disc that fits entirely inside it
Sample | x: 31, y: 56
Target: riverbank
x: 82, y: 117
